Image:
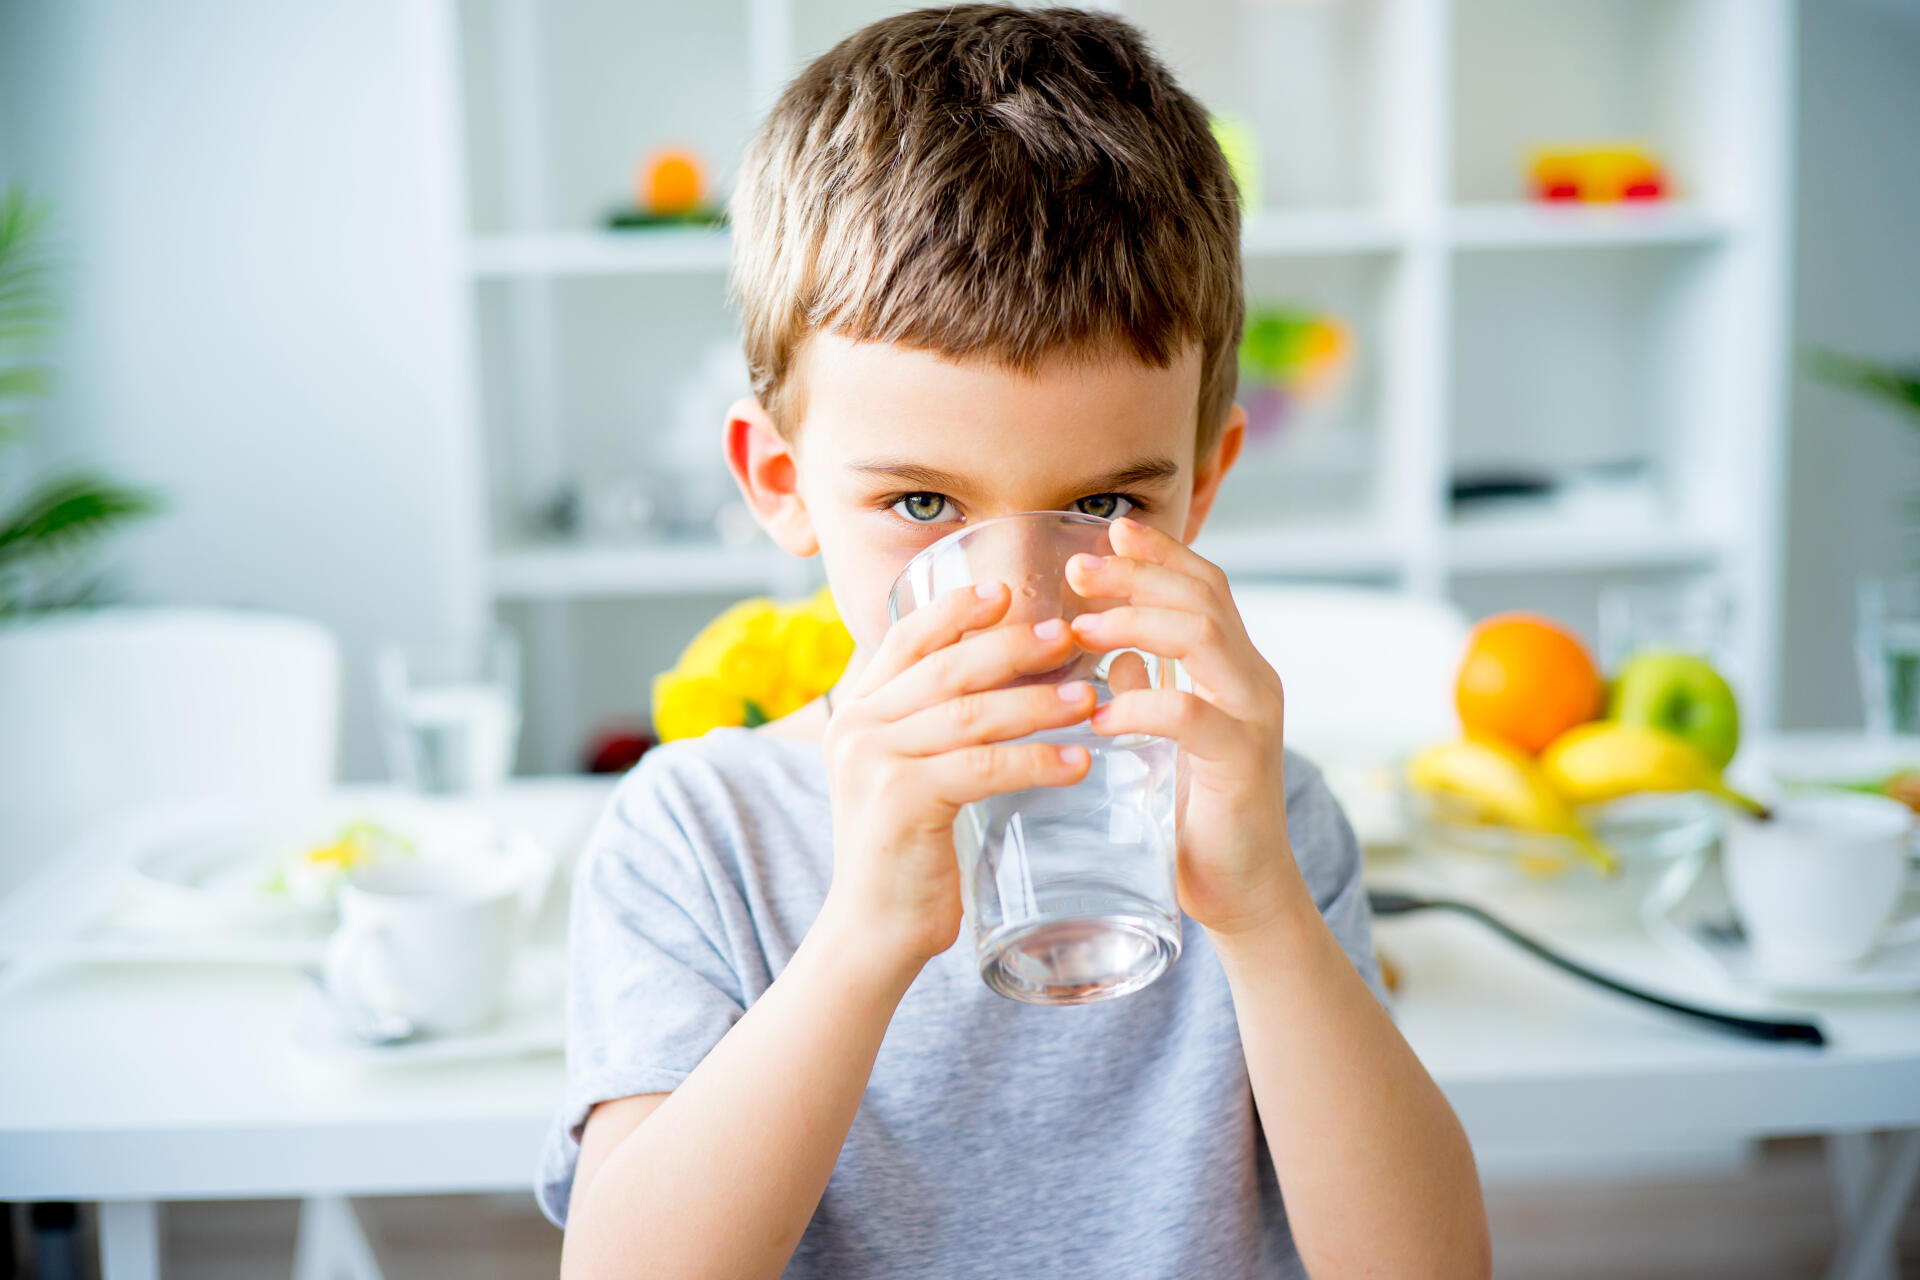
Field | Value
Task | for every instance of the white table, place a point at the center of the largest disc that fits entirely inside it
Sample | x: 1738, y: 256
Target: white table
x: 134, y: 1085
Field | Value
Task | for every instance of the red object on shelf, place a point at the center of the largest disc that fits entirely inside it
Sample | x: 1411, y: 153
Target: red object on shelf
x: 615, y: 749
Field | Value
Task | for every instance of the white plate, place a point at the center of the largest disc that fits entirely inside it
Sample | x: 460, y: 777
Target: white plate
x: 534, y: 1021
x: 216, y: 878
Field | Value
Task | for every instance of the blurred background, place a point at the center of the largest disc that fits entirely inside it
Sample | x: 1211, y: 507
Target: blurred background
x: 338, y: 283
x: 408, y: 320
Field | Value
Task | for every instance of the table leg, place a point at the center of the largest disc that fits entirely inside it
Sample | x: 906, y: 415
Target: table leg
x: 330, y: 1244
x: 1872, y: 1188
x: 129, y: 1240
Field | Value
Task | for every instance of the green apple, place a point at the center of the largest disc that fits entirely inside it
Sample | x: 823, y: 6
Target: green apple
x: 1681, y: 693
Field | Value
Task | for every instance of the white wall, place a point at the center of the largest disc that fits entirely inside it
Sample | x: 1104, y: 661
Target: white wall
x: 259, y: 204
x: 1857, y: 288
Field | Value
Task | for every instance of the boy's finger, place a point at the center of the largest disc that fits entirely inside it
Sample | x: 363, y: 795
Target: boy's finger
x: 1211, y: 657
x: 995, y: 715
x: 932, y: 627
x: 974, y: 773
x: 995, y: 657
x: 1139, y: 582
x: 1139, y: 540
x: 1203, y: 730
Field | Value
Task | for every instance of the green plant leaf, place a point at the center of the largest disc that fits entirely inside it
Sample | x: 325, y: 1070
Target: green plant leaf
x: 66, y: 512
x: 1893, y: 384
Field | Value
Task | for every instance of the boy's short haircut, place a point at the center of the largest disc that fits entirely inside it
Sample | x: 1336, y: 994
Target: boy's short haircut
x: 988, y: 182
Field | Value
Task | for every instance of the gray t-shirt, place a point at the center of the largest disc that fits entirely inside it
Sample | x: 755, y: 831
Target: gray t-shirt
x: 996, y: 1139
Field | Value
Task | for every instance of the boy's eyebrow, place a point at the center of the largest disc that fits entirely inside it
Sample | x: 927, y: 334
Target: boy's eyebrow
x: 1145, y: 471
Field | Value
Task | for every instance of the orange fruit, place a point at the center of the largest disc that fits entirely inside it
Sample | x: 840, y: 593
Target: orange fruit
x: 671, y: 182
x: 1526, y: 680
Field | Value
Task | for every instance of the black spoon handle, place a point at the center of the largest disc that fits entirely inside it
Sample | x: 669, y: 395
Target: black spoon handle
x: 1392, y: 903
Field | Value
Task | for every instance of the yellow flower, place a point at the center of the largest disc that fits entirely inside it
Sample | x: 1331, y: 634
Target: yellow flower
x: 756, y: 661
x: 686, y: 706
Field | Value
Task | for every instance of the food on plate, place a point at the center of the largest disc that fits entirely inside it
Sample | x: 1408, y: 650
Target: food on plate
x: 1594, y: 763
x: 1682, y: 694
x: 313, y: 875
x: 1499, y: 783
x: 1525, y: 680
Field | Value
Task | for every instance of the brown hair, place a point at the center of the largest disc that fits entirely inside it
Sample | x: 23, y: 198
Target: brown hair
x: 984, y: 181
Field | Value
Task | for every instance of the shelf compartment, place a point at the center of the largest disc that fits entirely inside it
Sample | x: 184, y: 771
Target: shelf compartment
x: 1550, y: 226
x: 1528, y: 544
x: 583, y: 570
x: 565, y: 253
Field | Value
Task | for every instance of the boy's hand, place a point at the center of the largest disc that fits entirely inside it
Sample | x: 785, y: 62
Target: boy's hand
x: 1236, y: 869
x: 912, y: 743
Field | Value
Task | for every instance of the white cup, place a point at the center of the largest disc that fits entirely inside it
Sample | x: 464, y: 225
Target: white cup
x: 432, y: 940
x: 1817, y: 885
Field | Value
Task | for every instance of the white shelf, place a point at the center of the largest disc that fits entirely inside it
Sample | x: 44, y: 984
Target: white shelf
x: 1329, y: 551
x: 1547, y: 226
x: 1305, y: 232
x: 588, y: 570
x: 654, y: 250
x: 563, y: 253
x: 1528, y: 544
x: 1490, y: 330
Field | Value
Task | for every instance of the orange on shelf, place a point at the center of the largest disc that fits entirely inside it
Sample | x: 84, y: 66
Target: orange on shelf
x: 1525, y: 680
x: 672, y: 181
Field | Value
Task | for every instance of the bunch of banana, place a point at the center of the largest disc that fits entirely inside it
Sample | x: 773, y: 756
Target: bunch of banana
x: 1503, y: 784
x: 1606, y: 760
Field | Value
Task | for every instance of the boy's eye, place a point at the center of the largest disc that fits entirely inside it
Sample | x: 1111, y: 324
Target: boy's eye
x: 921, y: 508
x: 1106, y: 501
x: 924, y: 508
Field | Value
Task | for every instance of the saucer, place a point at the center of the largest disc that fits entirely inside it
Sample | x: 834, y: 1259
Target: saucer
x: 533, y: 1020
x: 1892, y: 968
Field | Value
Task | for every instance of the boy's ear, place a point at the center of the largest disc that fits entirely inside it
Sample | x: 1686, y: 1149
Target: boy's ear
x: 768, y: 473
x: 1208, y: 472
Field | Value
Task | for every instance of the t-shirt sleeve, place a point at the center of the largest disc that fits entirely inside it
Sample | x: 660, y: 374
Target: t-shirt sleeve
x: 650, y: 988
x: 1329, y: 858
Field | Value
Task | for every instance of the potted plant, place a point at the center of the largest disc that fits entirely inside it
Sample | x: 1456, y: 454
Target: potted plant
x: 49, y: 530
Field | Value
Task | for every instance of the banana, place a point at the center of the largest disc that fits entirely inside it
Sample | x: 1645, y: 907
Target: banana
x: 1605, y: 760
x: 1503, y: 785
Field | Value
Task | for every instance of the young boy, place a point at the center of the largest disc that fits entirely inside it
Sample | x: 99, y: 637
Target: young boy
x: 987, y: 261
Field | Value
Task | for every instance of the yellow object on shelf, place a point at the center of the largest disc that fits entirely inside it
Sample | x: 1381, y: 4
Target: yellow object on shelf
x: 1596, y: 174
x: 757, y: 661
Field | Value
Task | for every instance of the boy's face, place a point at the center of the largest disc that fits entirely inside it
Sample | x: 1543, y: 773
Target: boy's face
x: 900, y: 447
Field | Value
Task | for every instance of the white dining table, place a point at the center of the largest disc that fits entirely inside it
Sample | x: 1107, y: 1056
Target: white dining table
x: 132, y: 1081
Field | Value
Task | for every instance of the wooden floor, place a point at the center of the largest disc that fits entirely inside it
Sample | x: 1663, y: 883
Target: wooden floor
x: 1773, y: 1221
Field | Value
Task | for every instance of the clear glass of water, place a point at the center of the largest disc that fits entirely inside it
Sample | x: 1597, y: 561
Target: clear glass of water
x: 1688, y: 615
x: 1887, y: 639
x: 450, y: 711
x: 1069, y: 891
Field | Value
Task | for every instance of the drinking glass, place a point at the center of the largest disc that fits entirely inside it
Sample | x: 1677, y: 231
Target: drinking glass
x: 1887, y: 643
x: 451, y: 711
x: 1690, y: 616
x: 1069, y: 890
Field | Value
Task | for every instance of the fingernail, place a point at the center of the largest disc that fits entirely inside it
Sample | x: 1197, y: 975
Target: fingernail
x: 1092, y: 561
x: 1051, y: 629
x: 1071, y: 690
x: 1071, y: 755
x: 1088, y: 622
x: 987, y: 590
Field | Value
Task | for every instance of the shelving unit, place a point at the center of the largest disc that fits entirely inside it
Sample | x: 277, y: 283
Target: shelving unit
x: 1491, y: 330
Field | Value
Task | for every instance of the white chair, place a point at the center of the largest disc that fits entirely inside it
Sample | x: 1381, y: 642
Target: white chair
x: 103, y: 711
x: 1368, y: 675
